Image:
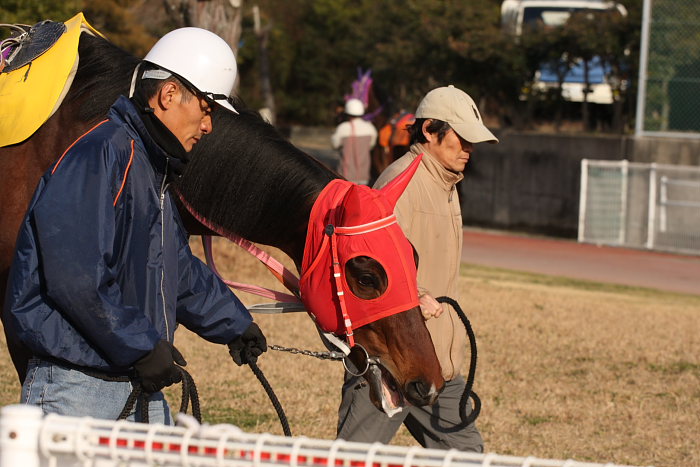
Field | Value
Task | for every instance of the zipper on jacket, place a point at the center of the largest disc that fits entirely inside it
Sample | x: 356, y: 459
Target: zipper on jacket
x: 163, y: 188
x: 452, y: 190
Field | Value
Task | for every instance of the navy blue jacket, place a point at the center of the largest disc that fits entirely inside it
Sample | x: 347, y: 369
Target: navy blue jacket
x: 103, y: 269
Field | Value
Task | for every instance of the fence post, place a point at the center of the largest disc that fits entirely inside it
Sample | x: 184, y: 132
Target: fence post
x: 19, y: 435
x: 582, y: 199
x: 651, y: 217
x: 643, y: 63
x: 663, y: 198
x: 622, y: 234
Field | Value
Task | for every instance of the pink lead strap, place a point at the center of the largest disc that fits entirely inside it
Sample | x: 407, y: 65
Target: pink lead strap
x: 263, y: 257
x: 284, y: 275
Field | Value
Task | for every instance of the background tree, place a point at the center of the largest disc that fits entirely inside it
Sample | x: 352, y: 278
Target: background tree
x: 118, y: 21
x: 616, y: 37
x: 548, y: 50
x: 315, y: 48
x: 222, y: 17
x: 587, y: 38
x: 32, y: 11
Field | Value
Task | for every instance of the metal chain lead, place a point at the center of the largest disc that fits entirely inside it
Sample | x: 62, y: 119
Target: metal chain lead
x: 321, y: 355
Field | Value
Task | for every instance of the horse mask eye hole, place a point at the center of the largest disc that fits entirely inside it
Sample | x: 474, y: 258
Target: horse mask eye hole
x: 366, y: 277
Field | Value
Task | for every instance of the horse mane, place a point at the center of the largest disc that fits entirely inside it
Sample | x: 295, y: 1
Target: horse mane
x: 249, y: 179
x: 245, y: 178
x: 104, y: 73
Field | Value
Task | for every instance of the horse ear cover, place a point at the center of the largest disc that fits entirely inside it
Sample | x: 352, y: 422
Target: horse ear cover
x: 395, y: 188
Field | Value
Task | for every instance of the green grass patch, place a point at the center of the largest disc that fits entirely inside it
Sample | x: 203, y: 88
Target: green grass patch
x: 535, y: 420
x: 675, y: 368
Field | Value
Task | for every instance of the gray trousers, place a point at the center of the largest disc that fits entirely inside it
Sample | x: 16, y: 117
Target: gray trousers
x: 359, y: 420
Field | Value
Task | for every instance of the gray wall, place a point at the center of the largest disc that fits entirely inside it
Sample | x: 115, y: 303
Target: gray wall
x: 530, y: 182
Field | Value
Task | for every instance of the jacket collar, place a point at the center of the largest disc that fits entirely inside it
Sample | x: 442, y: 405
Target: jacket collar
x: 444, y: 178
x: 125, y: 110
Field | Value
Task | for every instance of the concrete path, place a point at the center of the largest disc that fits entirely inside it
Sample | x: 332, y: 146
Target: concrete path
x: 568, y: 258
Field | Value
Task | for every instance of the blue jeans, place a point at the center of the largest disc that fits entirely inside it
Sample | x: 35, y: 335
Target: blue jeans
x: 58, y: 389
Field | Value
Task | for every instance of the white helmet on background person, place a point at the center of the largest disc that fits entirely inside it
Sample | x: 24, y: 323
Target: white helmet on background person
x: 354, y: 108
x: 200, y: 58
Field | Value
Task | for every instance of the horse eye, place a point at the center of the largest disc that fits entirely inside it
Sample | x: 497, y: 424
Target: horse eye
x: 366, y: 277
x: 368, y: 280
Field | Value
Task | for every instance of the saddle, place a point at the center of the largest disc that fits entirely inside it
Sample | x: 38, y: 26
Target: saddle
x: 36, y: 70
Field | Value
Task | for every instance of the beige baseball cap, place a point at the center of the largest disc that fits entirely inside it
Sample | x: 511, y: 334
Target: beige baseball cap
x: 455, y: 107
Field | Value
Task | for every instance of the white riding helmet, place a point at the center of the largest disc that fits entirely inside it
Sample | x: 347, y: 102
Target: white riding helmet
x: 201, y: 58
x: 354, y: 108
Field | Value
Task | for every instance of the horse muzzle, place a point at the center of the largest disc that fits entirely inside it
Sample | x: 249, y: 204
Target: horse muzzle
x: 421, y: 393
x: 388, y: 395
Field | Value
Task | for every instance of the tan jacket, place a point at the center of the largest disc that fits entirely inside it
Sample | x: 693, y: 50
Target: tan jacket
x: 430, y: 216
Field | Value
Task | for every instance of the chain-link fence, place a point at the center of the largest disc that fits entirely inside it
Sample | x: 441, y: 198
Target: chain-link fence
x: 639, y: 205
x: 669, y: 78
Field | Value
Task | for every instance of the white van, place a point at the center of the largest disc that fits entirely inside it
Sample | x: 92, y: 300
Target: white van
x: 515, y: 14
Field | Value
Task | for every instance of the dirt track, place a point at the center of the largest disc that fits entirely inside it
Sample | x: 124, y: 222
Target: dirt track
x: 567, y: 258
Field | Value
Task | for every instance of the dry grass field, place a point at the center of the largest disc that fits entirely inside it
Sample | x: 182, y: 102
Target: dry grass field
x: 567, y: 369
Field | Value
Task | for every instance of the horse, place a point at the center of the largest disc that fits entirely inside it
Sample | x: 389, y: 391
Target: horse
x: 252, y: 182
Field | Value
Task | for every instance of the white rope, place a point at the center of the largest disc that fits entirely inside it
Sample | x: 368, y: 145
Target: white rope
x: 335, y: 341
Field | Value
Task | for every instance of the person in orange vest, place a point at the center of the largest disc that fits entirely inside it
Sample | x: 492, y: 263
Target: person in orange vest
x: 394, y: 137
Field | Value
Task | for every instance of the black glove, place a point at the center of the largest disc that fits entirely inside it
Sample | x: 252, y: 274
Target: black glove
x: 247, y: 347
x: 158, y: 368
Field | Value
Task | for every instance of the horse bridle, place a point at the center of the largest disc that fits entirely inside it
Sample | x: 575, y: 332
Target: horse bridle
x: 331, y: 232
x: 332, y: 339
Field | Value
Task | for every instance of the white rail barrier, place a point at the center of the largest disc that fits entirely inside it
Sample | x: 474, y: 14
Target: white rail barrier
x: 29, y: 439
x: 640, y: 205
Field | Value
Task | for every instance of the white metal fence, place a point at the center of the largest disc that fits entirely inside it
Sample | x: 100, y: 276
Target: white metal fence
x: 639, y: 205
x: 27, y: 439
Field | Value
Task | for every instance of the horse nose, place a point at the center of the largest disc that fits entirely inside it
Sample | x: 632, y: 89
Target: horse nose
x: 420, y: 393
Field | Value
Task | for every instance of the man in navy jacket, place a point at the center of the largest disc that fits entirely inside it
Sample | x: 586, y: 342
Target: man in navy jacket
x: 103, y: 272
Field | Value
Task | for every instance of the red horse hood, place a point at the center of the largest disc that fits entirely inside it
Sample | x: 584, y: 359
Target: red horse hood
x: 350, y: 220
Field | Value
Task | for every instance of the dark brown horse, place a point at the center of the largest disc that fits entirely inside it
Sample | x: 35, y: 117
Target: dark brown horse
x: 248, y: 179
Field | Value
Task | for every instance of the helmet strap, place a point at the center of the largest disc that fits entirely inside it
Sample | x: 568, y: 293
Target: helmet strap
x: 133, y: 79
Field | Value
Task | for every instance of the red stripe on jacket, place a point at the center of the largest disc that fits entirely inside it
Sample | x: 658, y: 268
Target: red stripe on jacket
x: 126, y: 173
x: 74, y: 143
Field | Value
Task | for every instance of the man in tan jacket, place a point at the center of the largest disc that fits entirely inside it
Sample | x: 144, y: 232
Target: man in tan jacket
x: 447, y: 127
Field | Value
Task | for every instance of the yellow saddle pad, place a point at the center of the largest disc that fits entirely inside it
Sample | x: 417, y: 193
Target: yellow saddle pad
x: 31, y: 94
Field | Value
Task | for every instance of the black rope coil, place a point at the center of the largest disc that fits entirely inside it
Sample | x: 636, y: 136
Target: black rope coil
x: 271, y: 394
x: 466, y: 419
x: 138, y: 396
